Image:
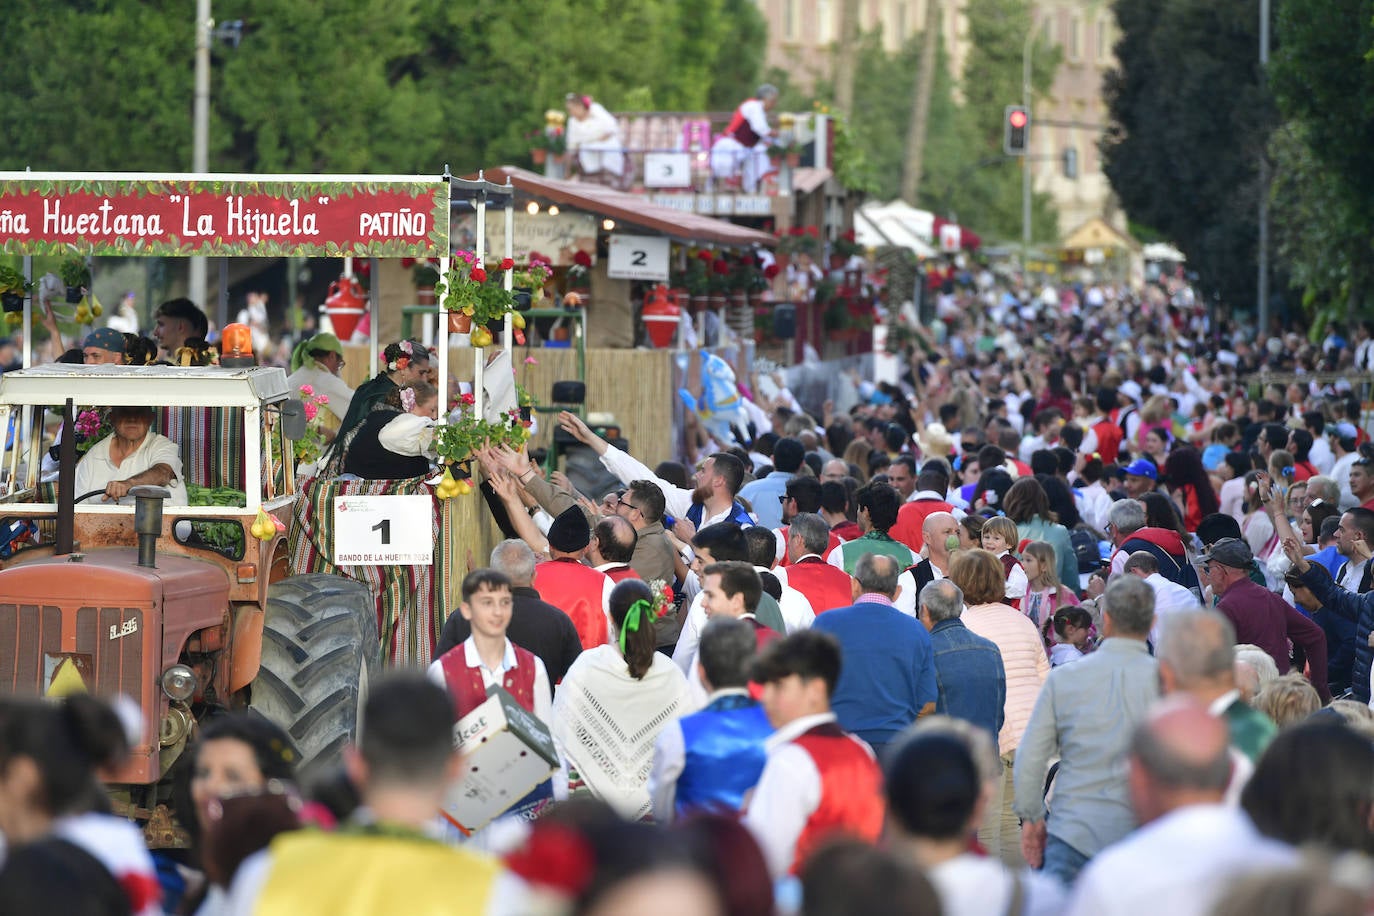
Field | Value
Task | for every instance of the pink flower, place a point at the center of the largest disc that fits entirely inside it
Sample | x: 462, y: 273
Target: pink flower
x: 310, y: 410
x: 322, y: 400
x: 531, y: 361
x: 467, y: 399
x: 307, y: 390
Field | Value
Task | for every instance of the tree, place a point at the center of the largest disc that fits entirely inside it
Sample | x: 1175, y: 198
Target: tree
x: 920, y: 103
x: 399, y: 86
x: 1190, y: 116
x: 1323, y: 193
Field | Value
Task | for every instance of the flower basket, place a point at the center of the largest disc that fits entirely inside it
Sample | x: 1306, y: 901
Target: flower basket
x: 474, y: 292
x: 455, y: 442
x: 75, y: 274
x: 424, y: 295
x: 538, y: 155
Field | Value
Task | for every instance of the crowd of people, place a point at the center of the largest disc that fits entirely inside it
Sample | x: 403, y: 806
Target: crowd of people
x: 1068, y: 618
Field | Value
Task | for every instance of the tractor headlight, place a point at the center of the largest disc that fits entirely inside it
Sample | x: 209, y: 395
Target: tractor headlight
x: 179, y: 683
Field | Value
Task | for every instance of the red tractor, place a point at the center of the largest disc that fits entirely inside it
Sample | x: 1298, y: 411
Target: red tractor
x: 188, y: 609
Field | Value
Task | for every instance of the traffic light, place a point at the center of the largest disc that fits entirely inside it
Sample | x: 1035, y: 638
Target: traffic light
x: 1016, y: 126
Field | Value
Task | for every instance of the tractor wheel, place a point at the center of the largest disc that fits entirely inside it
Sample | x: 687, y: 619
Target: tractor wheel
x: 319, y: 649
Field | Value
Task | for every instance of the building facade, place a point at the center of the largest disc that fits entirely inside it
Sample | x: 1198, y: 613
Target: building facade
x: 1067, y: 123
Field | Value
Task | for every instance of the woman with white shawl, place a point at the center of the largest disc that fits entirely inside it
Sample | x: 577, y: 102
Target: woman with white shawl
x: 594, y: 137
x: 614, y: 701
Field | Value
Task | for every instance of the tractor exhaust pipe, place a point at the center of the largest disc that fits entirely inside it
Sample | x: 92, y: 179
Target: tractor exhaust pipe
x: 65, y: 540
x: 148, y: 521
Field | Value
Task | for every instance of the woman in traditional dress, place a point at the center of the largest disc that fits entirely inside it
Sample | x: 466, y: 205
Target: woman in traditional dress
x: 614, y: 701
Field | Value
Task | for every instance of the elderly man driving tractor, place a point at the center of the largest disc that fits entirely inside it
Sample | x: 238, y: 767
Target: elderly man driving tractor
x: 132, y: 456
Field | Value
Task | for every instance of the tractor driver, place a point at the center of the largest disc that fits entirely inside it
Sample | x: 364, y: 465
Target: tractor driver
x: 131, y: 456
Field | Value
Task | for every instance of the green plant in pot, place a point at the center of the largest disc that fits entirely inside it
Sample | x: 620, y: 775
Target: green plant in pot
x: 12, y: 289
x: 528, y: 282
x: 476, y: 297
x: 77, y: 276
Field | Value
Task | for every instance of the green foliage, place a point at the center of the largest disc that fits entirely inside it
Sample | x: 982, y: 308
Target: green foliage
x: 1190, y: 118
x: 1323, y: 79
x: 362, y: 86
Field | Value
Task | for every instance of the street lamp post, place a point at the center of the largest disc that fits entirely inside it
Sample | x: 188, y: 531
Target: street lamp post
x: 1026, y: 50
x: 1262, y: 289
x: 200, y: 136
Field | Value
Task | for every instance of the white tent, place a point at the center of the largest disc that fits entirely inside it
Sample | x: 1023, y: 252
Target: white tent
x: 1159, y: 251
x: 896, y: 223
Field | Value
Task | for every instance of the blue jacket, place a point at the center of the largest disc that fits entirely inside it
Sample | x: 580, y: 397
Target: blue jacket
x: 724, y: 754
x: 969, y: 675
x: 1352, y: 608
x: 887, y: 671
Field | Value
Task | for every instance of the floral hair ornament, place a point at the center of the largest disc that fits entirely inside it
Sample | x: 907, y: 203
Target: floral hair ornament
x: 646, y: 610
x: 554, y: 856
x: 408, y: 399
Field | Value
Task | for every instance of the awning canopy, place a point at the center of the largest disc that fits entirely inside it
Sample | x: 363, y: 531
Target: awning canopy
x: 633, y: 209
x: 807, y: 179
x: 1098, y: 233
x: 896, y: 224
x: 1162, y: 251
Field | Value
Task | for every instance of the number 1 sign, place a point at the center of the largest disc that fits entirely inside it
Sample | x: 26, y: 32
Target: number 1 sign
x: 383, y: 531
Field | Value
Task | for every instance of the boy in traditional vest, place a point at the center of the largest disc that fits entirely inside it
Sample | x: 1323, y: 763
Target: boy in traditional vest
x: 820, y: 781
x: 487, y: 658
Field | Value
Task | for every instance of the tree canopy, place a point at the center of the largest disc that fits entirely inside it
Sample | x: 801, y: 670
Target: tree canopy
x: 352, y: 85
x: 1323, y: 78
x: 1190, y: 117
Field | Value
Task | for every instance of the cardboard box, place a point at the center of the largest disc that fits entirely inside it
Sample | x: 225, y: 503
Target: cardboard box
x: 509, y: 752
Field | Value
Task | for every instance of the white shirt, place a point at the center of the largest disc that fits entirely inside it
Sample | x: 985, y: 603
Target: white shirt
x: 1178, y: 864
x: 788, y: 793
x: 906, y: 596
x: 1351, y: 574
x: 1320, y: 455
x: 797, y: 613
x: 670, y: 757
x: 1340, y: 472
x: 685, y: 652
x: 1017, y: 583
x: 1170, y: 598
x: 496, y: 677
x: 95, y: 470
x: 974, y: 885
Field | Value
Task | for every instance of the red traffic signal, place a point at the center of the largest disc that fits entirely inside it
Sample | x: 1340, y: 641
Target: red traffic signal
x: 1016, y: 125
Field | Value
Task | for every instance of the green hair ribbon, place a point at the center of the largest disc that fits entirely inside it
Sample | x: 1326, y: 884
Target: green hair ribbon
x: 634, y: 618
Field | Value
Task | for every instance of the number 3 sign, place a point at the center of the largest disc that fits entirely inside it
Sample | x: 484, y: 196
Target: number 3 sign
x: 637, y: 257
x: 383, y: 531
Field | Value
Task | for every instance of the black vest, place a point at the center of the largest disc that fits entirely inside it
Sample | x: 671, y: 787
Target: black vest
x: 367, y: 459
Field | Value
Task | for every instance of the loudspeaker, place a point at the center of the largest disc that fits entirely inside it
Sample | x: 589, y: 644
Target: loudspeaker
x: 785, y: 321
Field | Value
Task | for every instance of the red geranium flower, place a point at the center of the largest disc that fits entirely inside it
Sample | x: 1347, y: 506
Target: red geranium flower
x: 467, y: 399
x: 796, y: 231
x: 478, y: 275
x: 507, y: 263
x: 582, y: 259
x: 720, y: 266
x: 814, y: 232
x: 771, y: 271
x: 704, y: 255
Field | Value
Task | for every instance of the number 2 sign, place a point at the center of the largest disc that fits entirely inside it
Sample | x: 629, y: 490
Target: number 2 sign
x: 383, y: 531
x: 637, y: 257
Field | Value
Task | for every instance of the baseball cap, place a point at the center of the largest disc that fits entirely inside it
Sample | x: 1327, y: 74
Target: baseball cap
x: 106, y: 339
x: 1142, y: 467
x: 1232, y: 552
x: 1346, y: 432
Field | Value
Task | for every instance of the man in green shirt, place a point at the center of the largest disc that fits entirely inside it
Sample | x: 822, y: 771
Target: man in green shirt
x: 878, y: 505
x: 1197, y: 655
